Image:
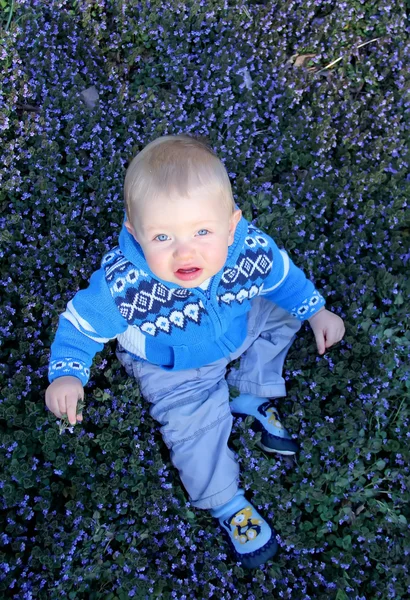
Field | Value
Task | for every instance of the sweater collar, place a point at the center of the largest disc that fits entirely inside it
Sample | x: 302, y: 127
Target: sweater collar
x: 132, y: 251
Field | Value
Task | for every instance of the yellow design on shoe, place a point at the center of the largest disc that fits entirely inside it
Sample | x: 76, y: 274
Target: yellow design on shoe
x: 245, y: 527
x: 273, y: 418
x: 250, y: 537
x: 275, y: 437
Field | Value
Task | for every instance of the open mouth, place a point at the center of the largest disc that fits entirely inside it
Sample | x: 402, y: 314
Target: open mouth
x: 188, y: 274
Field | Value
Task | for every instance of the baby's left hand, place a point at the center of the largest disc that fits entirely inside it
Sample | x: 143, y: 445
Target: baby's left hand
x: 328, y: 329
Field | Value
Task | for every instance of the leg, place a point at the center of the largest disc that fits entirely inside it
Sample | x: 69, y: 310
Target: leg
x: 271, y: 331
x: 193, y: 408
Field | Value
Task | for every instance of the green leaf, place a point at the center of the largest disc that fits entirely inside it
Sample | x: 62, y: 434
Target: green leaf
x: 347, y: 542
x: 342, y: 482
x: 365, y: 325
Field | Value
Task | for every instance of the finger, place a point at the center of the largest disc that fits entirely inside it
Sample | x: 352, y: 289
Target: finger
x: 320, y: 342
x: 52, y: 403
x: 80, y: 398
x: 60, y: 408
x: 72, y: 408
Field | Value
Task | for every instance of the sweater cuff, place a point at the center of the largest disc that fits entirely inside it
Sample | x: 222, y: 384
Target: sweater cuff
x: 308, y: 307
x: 68, y: 366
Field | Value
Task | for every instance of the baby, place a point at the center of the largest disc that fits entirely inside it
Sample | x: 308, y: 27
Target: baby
x: 191, y: 287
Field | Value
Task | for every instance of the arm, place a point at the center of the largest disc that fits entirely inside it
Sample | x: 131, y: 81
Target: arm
x: 90, y: 320
x: 288, y: 287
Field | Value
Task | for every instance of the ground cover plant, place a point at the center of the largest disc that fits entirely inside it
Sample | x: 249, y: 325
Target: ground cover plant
x: 307, y: 104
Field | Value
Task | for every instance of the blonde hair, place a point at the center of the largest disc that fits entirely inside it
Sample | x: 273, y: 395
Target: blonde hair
x: 175, y: 164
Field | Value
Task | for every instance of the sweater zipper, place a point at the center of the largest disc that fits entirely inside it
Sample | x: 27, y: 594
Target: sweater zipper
x: 212, y: 312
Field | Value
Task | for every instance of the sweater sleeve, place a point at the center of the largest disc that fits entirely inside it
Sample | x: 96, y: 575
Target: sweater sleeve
x: 90, y: 320
x: 288, y: 287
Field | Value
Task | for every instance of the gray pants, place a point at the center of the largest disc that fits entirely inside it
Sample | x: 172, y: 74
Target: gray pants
x: 192, y: 405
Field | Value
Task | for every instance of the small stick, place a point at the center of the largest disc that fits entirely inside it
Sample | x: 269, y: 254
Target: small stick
x: 338, y: 59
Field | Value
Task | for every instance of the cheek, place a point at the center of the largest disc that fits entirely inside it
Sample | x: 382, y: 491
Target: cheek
x: 156, y: 260
x: 217, y: 253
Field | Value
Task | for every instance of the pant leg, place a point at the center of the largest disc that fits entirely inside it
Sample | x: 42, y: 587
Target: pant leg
x: 192, y: 407
x: 271, y: 332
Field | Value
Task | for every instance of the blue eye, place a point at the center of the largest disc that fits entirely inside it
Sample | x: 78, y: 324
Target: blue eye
x: 161, y: 237
x: 203, y: 231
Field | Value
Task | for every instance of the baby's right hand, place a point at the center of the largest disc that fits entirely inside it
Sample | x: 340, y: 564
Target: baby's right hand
x: 62, y: 396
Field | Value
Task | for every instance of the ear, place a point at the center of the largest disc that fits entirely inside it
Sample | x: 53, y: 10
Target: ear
x: 233, y: 222
x: 130, y: 229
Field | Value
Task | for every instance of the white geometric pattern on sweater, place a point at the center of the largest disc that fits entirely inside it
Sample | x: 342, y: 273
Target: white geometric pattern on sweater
x: 68, y: 365
x: 252, y: 242
x: 191, y: 311
x: 120, y: 264
x: 147, y: 298
x: 131, y: 277
x: 248, y: 269
x: 229, y: 297
x: 307, y: 307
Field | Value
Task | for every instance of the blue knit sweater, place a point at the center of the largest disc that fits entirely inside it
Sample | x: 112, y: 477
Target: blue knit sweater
x: 171, y: 326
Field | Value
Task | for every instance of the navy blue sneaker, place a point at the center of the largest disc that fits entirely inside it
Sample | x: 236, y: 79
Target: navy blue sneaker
x: 275, y: 438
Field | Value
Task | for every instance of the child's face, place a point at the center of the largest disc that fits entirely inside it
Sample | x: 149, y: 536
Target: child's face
x: 185, y: 240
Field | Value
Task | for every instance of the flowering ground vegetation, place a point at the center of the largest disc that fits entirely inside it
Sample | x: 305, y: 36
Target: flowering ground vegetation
x: 307, y: 103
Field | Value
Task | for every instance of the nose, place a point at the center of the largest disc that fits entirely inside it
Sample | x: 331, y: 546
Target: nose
x: 183, y: 251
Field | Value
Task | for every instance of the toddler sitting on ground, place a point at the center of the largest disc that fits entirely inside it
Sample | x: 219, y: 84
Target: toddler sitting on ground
x: 191, y: 287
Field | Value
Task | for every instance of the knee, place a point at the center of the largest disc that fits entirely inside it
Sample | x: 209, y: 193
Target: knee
x: 190, y: 415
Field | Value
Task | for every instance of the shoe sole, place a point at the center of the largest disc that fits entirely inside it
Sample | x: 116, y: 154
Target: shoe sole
x: 253, y: 560
x: 272, y: 450
x: 258, y: 427
x: 260, y: 557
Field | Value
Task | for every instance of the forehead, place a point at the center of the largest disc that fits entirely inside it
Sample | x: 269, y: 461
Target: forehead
x: 201, y: 205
